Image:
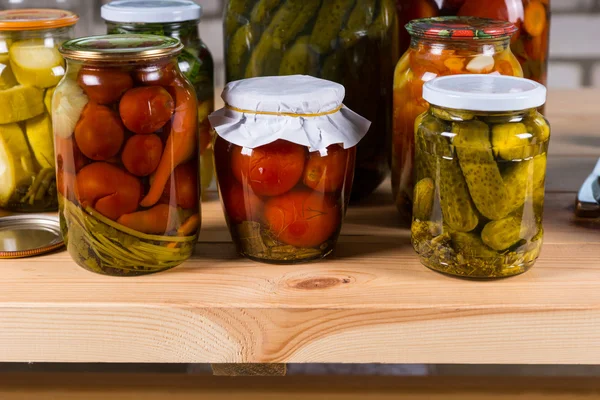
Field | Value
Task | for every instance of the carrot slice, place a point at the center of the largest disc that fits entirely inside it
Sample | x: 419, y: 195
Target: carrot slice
x: 535, y: 18
x: 455, y: 64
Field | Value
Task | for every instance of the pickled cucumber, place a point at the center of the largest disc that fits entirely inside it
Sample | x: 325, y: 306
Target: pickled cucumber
x: 511, y: 141
x: 35, y: 64
x: 522, y: 179
x: 458, y: 209
x: 48, y: 99
x: 240, y: 47
x: 471, y: 245
x: 539, y: 128
x: 385, y: 19
x: 20, y: 103
x: 236, y: 15
x: 17, y: 168
x: 299, y: 59
x: 505, y: 233
x: 424, y: 196
x: 40, y: 138
x: 288, y: 21
x: 478, y: 165
x: 262, y: 9
x: 449, y: 114
x: 7, y: 78
x: 331, y: 16
x: 360, y: 19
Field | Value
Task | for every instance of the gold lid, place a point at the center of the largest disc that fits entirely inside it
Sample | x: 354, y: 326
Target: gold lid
x: 28, y: 235
x: 129, y: 47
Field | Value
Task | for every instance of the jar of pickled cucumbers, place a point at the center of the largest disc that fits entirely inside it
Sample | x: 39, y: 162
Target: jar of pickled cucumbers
x: 354, y: 43
x: 178, y: 19
x: 532, y: 17
x: 284, y: 154
x: 481, y: 166
x: 30, y: 68
x: 126, y: 134
x: 440, y: 46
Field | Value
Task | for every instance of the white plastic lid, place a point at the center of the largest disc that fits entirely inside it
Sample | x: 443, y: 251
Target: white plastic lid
x: 297, y: 108
x: 484, y: 93
x: 151, y: 11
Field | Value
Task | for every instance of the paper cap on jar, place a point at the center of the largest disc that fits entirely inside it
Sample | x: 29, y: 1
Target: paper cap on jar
x: 156, y: 11
x: 484, y: 93
x: 298, y: 108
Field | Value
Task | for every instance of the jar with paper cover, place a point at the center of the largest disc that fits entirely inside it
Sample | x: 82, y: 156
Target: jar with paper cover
x: 481, y: 152
x: 127, y: 155
x: 30, y: 68
x: 285, y: 153
x: 439, y: 47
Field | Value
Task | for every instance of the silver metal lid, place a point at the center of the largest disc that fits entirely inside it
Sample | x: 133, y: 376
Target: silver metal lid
x: 27, y: 235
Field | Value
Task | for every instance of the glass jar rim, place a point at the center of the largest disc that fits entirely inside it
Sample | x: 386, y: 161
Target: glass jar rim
x: 125, y: 47
x: 461, y: 28
x: 36, y: 19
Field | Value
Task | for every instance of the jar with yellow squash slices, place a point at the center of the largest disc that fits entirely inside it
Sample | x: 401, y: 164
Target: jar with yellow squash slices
x: 30, y: 68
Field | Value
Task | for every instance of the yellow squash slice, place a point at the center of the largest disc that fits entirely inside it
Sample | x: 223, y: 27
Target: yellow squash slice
x: 16, y: 165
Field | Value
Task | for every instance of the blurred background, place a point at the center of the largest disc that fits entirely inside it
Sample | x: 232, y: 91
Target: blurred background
x: 574, y: 48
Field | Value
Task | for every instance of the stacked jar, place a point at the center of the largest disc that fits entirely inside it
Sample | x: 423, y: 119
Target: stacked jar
x: 532, y: 17
x: 440, y: 46
x: 178, y: 19
x: 30, y: 68
x: 352, y: 43
x: 127, y: 154
x: 481, y: 168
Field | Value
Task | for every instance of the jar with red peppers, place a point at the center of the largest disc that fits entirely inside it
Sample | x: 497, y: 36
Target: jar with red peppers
x: 284, y: 155
x: 440, y: 46
x: 532, y: 17
x: 126, y: 138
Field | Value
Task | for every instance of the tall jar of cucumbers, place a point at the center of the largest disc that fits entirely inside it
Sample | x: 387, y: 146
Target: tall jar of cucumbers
x: 30, y: 68
x: 352, y: 42
x: 178, y: 19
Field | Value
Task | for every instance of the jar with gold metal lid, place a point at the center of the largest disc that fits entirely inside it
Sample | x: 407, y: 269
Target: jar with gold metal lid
x: 126, y: 133
x: 30, y: 68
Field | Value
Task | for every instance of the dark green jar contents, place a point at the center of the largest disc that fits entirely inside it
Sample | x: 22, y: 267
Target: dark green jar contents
x: 354, y: 43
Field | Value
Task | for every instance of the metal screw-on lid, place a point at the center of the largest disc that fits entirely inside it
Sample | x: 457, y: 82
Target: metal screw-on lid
x: 157, y: 11
x: 29, y: 235
x: 117, y: 48
x: 484, y: 93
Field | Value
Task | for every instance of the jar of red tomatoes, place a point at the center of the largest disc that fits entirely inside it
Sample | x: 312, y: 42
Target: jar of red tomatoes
x: 532, y: 17
x: 126, y: 139
x: 440, y: 46
x: 284, y: 155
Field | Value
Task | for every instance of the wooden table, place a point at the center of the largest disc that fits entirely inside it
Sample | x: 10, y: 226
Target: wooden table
x: 371, y: 302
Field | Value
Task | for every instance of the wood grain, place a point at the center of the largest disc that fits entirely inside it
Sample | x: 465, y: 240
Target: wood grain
x: 371, y: 302
x: 182, y: 387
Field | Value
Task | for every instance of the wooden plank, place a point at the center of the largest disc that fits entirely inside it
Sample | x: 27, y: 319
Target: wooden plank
x: 182, y: 387
x: 371, y: 302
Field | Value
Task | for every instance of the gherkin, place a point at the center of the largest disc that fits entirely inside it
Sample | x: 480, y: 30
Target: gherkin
x: 331, y: 16
x: 505, y: 233
x: 240, y: 47
x: 511, y: 141
x: 360, y: 19
x: 299, y: 59
x: 424, y: 197
x: 479, y: 167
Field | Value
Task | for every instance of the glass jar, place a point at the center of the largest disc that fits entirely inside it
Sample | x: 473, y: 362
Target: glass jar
x: 440, y: 46
x: 315, y: 38
x: 125, y: 126
x: 30, y: 69
x: 532, y: 17
x: 285, y: 154
x: 481, y: 167
x: 178, y: 19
